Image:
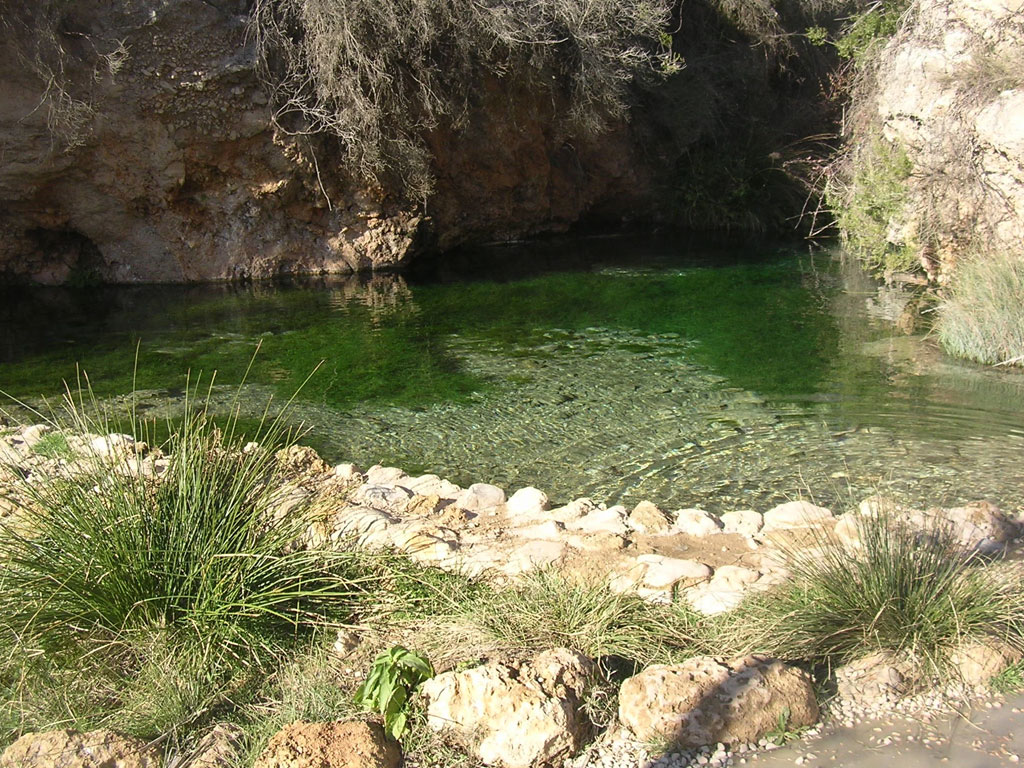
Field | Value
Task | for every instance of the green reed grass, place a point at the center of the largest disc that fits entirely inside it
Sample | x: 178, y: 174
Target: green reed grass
x: 904, y: 589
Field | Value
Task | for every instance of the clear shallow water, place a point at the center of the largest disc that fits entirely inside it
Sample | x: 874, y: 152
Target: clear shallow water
x: 611, y: 368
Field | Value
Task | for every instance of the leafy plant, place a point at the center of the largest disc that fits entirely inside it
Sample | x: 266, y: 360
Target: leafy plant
x: 871, y: 203
x: 53, y: 445
x: 783, y: 732
x: 394, y: 674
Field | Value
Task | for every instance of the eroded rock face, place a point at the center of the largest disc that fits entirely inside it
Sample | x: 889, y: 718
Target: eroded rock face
x: 938, y: 97
x: 706, y: 700
x: 174, y: 172
x: 71, y: 749
x: 354, y: 744
x: 879, y: 678
x: 156, y: 160
x: 514, y: 716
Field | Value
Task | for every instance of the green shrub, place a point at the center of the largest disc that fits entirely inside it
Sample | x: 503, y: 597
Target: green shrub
x: 380, y: 74
x: 982, y: 318
x: 904, y: 590
x: 870, y: 202
x: 865, y: 32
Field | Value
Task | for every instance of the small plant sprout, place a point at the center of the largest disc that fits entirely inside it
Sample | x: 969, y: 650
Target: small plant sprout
x: 394, y: 674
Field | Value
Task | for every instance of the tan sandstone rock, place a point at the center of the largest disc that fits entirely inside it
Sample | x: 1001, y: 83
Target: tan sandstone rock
x: 648, y: 518
x: 515, y: 717
x: 353, y: 744
x: 706, y: 700
x: 71, y: 749
x: 879, y: 678
x: 977, y: 663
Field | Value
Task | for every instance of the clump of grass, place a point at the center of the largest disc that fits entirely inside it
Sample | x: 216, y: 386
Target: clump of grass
x: 904, y: 589
x: 167, y: 594
x: 546, y: 609
x: 982, y: 317
x: 1010, y: 680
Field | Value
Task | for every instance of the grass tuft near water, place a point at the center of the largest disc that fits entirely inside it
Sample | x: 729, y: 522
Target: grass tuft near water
x: 904, y: 589
x: 982, y: 319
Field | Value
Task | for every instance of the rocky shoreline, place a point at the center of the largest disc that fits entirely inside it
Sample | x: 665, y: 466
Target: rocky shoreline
x: 528, y: 710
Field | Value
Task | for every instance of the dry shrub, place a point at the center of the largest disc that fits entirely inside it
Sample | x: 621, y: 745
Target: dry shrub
x: 380, y: 73
x: 67, y: 63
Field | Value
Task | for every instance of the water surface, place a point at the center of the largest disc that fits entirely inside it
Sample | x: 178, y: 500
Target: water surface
x: 717, y: 377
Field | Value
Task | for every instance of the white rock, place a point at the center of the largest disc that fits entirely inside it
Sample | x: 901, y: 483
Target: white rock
x: 386, y: 498
x: 514, y: 717
x: 378, y: 475
x: 795, y: 514
x: 432, y: 485
x: 664, y: 572
x: 348, y: 473
x: 704, y: 701
x: 33, y: 434
x: 527, y: 501
x: 696, y: 522
x: 611, y: 520
x: 574, y: 510
x: 648, y: 518
x: 532, y: 556
x: 745, y: 522
x: 480, y: 497
x: 108, y: 445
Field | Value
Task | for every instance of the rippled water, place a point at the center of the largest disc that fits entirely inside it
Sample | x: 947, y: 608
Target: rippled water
x: 713, y: 377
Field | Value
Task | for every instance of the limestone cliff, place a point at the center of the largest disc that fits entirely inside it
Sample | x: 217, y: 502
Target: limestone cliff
x: 138, y: 146
x: 938, y: 144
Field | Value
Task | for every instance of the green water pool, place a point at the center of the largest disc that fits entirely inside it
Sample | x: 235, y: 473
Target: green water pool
x: 720, y: 377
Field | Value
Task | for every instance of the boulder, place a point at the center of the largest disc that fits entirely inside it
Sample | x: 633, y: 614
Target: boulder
x: 480, y: 497
x: 72, y: 749
x: 664, y: 572
x: 611, y: 520
x: 724, y: 591
x: 745, y: 522
x: 527, y: 502
x: 647, y: 518
x: 795, y: 514
x: 384, y: 498
x: 353, y: 744
x: 107, y: 446
x: 348, y: 474
x: 706, y: 700
x: 516, y: 717
x: 979, y: 526
x: 976, y: 663
x: 879, y: 678
x: 696, y: 522
x: 295, y: 460
x: 378, y: 475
